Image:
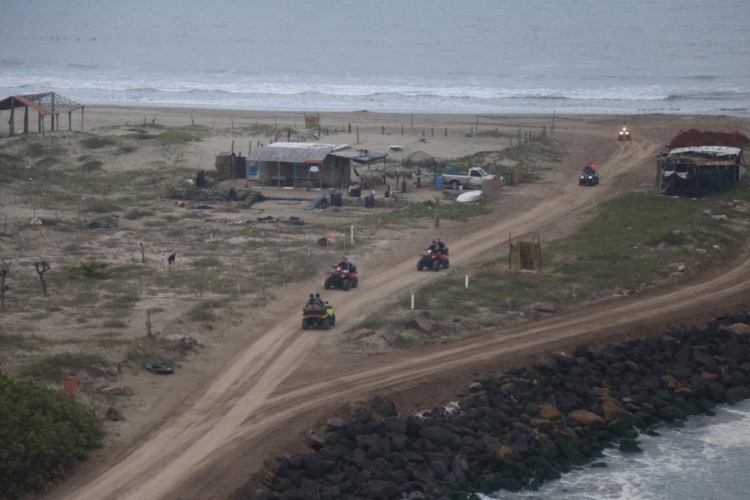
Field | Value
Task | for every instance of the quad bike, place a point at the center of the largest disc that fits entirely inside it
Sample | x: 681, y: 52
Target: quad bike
x: 433, y: 260
x: 589, y: 177
x: 315, y: 316
x: 338, y: 278
x: 624, y: 134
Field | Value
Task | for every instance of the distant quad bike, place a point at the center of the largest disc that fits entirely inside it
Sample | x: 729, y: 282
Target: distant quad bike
x: 433, y: 260
x: 315, y: 316
x: 624, y: 134
x: 589, y: 177
x: 338, y: 278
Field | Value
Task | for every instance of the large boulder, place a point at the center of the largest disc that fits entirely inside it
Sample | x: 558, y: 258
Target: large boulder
x: 549, y: 412
x: 586, y: 417
x: 384, y: 406
x: 438, y: 435
x: 425, y: 325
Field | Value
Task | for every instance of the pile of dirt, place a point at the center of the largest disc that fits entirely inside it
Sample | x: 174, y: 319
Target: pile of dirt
x: 695, y: 137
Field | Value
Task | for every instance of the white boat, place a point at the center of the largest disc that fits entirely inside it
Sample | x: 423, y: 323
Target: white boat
x: 470, y: 196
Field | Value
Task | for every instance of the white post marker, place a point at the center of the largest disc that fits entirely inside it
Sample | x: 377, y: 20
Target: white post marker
x: 352, y: 233
x: 412, y: 301
x: 467, y: 282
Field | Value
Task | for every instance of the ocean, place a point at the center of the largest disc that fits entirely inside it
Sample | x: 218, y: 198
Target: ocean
x: 476, y: 56
x: 706, y: 459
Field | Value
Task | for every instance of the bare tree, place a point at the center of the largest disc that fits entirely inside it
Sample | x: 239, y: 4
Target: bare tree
x: 4, y: 271
x: 41, y: 268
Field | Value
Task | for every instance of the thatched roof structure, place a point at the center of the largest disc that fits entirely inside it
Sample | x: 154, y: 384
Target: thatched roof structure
x: 419, y: 159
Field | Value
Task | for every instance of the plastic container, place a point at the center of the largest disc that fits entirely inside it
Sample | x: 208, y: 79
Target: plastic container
x: 449, y: 170
x: 439, y: 182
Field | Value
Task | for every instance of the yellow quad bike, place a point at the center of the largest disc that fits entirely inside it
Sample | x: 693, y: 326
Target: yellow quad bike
x: 314, y: 316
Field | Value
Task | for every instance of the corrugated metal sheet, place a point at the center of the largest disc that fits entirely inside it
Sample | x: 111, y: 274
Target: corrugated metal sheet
x: 707, y: 150
x: 293, y: 152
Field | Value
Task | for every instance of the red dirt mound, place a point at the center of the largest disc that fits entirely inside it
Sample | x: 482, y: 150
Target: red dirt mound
x: 695, y: 137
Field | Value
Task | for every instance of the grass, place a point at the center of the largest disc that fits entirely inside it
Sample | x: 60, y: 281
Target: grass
x: 92, y: 166
x: 426, y: 210
x: 138, y: 213
x: 101, y: 206
x: 115, y: 323
x: 100, y: 142
x: 50, y: 368
x: 629, y: 243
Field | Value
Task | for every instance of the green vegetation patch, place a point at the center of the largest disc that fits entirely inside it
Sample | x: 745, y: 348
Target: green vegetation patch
x: 100, y: 142
x: 43, y: 434
x: 426, y: 210
x: 50, y: 368
x: 631, y: 242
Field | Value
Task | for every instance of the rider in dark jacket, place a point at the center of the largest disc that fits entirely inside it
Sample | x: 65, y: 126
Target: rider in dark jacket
x: 440, y: 246
x: 344, y: 264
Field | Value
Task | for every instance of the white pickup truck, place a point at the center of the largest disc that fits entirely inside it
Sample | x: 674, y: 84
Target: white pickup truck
x: 471, y: 179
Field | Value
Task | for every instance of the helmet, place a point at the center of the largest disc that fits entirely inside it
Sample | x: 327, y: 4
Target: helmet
x: 344, y: 258
x: 317, y: 295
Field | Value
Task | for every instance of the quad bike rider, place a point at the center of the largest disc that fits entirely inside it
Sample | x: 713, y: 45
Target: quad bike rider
x: 344, y: 276
x: 317, y: 314
x: 624, y: 134
x: 435, y: 257
x: 589, y: 176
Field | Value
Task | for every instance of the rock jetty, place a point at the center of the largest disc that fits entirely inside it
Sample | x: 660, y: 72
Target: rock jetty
x: 525, y: 426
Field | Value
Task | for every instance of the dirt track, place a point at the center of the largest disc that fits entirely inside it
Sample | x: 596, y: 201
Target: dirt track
x: 245, y: 413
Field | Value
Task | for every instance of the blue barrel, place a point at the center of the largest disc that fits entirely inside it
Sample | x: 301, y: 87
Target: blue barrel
x: 449, y: 170
x: 439, y: 182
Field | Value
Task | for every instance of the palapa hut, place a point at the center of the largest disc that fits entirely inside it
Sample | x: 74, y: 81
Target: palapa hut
x: 420, y: 160
x: 308, y: 165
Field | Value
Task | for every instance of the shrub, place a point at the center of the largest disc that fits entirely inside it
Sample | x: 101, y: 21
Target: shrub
x: 88, y: 269
x: 42, y: 436
x: 51, y: 367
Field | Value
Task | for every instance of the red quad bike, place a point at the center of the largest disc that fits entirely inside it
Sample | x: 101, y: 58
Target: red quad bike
x: 338, y: 278
x: 433, y: 260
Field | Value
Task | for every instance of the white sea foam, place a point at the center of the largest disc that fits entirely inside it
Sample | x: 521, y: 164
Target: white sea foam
x: 707, y: 458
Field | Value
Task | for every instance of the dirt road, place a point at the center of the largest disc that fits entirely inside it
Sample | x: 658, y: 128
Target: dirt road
x: 242, y: 412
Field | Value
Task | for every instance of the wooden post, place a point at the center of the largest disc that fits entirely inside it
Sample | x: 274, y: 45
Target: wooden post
x: 12, y: 113
x: 552, y: 128
x: 82, y: 118
x: 357, y: 134
x: 350, y: 128
x: 232, y: 146
x: 382, y: 130
x: 148, y: 324
x: 402, y: 129
x: 192, y: 122
x: 433, y: 131
x: 26, y: 120
x: 4, y: 271
x: 477, y: 125
x: 70, y: 120
x: 446, y: 132
x: 143, y: 254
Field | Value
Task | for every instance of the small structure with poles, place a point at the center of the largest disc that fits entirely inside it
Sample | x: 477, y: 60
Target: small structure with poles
x: 45, y: 104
